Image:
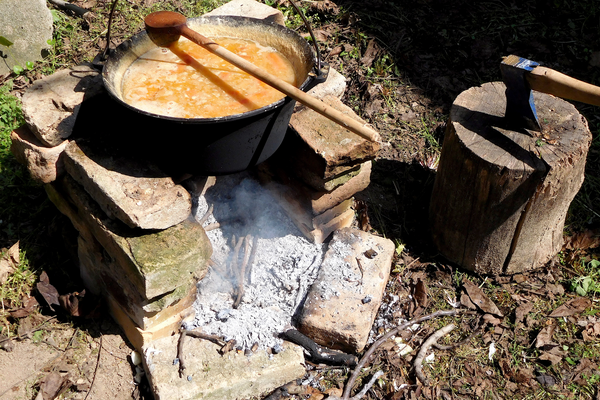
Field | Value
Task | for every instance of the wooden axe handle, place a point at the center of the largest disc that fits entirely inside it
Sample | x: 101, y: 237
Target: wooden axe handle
x: 549, y: 81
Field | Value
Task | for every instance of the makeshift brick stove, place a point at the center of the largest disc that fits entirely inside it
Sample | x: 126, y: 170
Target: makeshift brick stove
x: 241, y: 257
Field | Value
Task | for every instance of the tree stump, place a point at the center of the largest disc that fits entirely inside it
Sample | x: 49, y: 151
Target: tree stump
x: 500, y: 197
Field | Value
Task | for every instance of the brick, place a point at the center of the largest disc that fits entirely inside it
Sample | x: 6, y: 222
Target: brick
x: 342, y: 304
x: 324, y: 147
x: 137, y: 193
x: 103, y: 277
x: 155, y: 262
x: 215, y: 377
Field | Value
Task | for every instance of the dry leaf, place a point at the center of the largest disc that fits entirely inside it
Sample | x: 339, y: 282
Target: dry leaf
x: 522, y: 310
x: 9, y: 263
x: 53, y: 384
x: 71, y: 302
x: 479, y: 298
x: 588, y: 239
x: 27, y: 308
x: 544, y: 337
x: 572, y: 307
x: 371, y: 53
x: 420, y: 293
x: 490, y: 319
x: 553, y: 358
x: 48, y: 292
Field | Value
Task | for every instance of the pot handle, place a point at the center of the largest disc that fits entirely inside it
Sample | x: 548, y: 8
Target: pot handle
x: 101, y: 58
x: 321, y: 69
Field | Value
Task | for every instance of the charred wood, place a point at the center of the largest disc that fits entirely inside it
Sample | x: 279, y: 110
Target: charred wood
x: 319, y: 353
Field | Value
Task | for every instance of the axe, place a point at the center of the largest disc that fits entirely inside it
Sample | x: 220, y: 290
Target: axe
x: 521, y: 75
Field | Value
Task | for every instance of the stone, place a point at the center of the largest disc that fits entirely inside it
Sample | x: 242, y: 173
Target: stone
x: 102, y: 276
x: 316, y: 202
x: 44, y: 164
x: 51, y: 104
x: 334, y: 85
x: 137, y: 193
x: 250, y: 9
x: 324, y: 147
x: 154, y: 262
x: 342, y: 303
x: 211, y: 376
x: 28, y: 25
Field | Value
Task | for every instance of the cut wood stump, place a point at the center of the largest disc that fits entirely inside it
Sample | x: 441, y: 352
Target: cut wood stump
x: 500, y: 196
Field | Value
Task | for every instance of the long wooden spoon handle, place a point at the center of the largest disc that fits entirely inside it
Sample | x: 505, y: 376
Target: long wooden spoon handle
x: 281, y: 85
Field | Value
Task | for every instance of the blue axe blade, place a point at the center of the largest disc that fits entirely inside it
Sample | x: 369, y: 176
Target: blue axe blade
x: 520, y: 108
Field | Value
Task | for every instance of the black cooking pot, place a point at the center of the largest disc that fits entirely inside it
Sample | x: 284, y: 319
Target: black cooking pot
x: 210, y: 146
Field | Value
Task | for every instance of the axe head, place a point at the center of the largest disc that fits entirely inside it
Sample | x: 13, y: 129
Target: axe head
x: 520, y: 108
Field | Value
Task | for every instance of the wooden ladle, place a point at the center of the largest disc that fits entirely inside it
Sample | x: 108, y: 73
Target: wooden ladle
x: 165, y: 27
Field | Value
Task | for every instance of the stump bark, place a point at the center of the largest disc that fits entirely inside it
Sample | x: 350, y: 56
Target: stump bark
x: 500, y: 197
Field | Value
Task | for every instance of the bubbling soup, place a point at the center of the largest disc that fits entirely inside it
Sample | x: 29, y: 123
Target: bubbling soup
x: 187, y: 81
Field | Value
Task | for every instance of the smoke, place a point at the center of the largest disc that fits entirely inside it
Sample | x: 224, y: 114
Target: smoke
x: 285, y: 264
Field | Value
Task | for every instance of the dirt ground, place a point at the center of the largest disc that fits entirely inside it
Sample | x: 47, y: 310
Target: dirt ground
x: 405, y: 63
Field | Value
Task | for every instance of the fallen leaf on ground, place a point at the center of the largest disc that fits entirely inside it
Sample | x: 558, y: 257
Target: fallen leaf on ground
x: 587, y: 239
x: 572, y: 307
x: 53, y: 384
x: 28, y: 307
x: 48, y: 292
x: 72, y: 303
x: 420, y: 293
x: 522, y: 311
x: 480, y: 299
x: 544, y: 337
x: 553, y: 358
x: 591, y: 332
x: 9, y: 263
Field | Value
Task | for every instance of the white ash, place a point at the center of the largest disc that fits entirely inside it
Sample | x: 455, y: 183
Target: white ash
x: 284, y: 267
x: 337, y: 272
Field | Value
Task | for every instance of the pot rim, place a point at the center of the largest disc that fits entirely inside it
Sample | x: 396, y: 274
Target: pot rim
x: 248, y: 114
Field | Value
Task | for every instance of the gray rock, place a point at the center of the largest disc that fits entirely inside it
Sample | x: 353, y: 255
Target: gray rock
x: 51, y: 104
x: 136, y: 193
x: 28, y: 25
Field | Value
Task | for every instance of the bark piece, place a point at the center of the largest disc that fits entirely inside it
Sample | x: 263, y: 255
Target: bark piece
x: 500, y: 197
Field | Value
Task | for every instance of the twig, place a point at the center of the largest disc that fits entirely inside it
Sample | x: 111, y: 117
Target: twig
x: 95, y: 370
x: 68, y: 6
x: 205, y: 216
x: 319, y: 353
x: 364, y: 390
x: 251, y: 259
x: 213, y: 226
x: 465, y: 340
x: 425, y: 348
x: 363, y: 361
x: 195, y: 334
x: 241, y: 273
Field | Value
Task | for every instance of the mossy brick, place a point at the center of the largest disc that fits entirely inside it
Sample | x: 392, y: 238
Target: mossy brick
x: 155, y: 262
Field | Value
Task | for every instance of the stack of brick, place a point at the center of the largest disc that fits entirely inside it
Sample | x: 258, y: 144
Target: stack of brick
x: 137, y: 247
x: 320, y: 166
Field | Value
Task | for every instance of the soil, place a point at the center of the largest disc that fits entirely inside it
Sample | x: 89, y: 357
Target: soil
x: 405, y: 62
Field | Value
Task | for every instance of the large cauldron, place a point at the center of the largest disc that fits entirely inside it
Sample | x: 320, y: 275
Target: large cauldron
x: 210, y: 146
